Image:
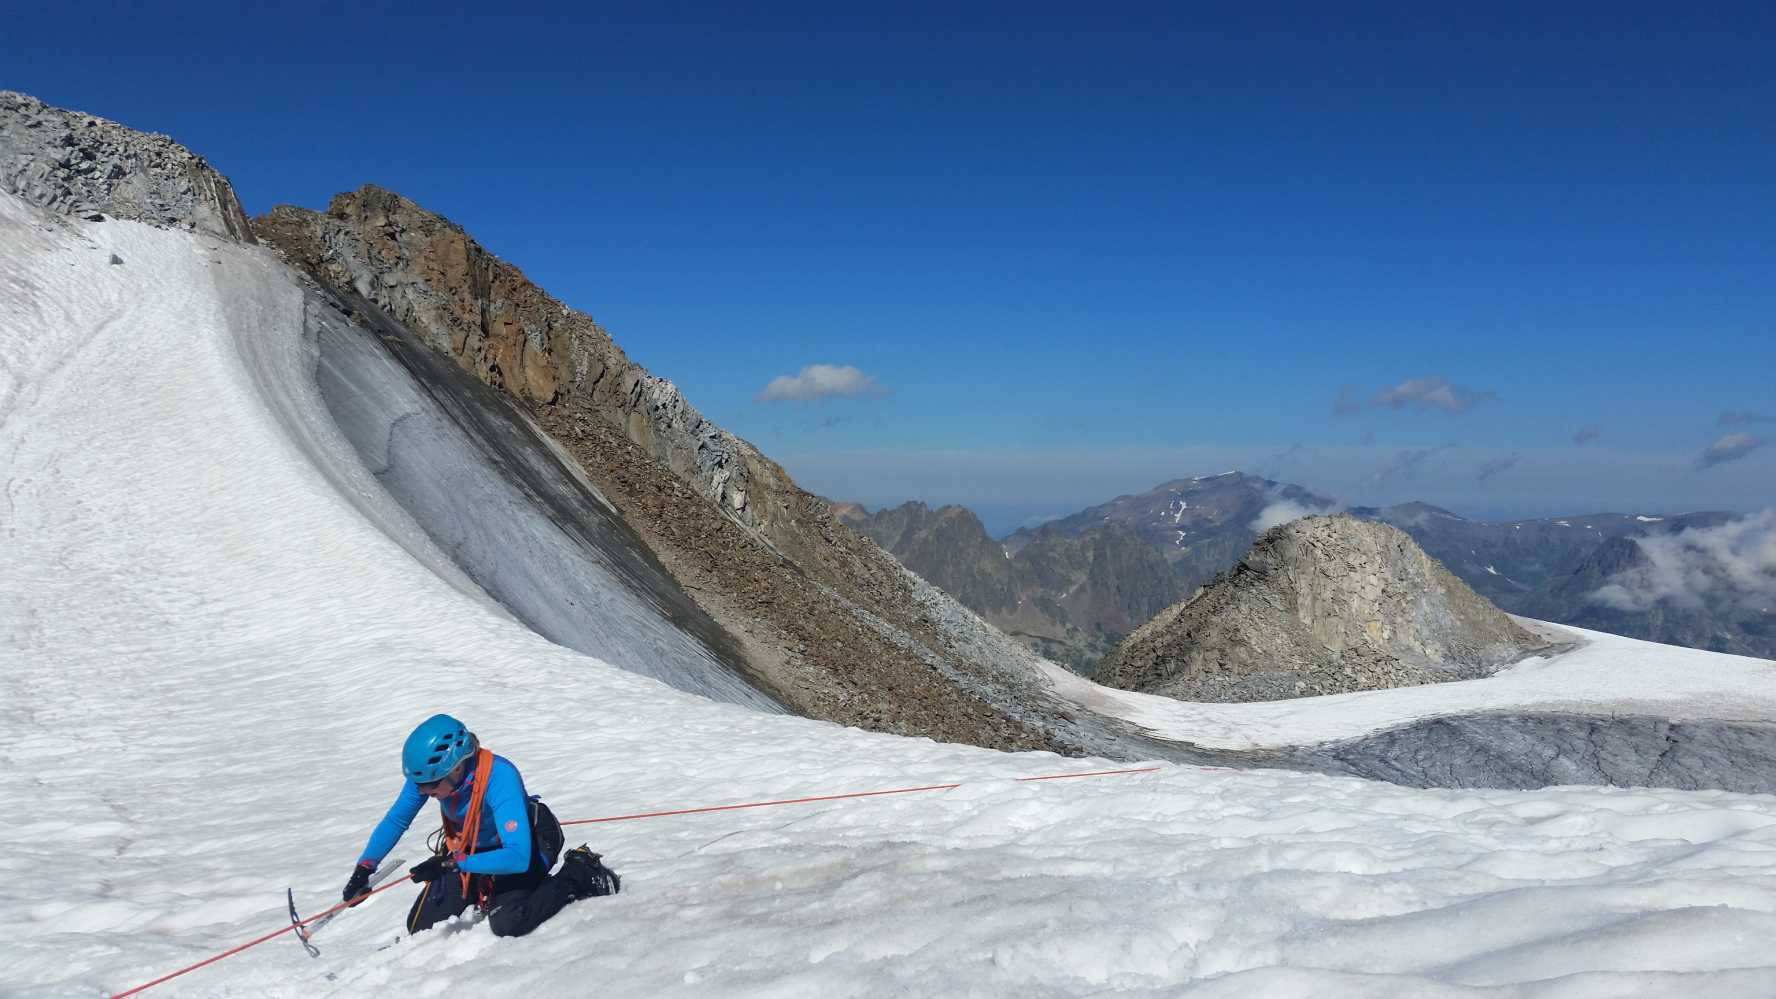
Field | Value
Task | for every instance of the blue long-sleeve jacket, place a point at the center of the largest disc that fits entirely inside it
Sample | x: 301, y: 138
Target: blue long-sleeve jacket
x: 502, y: 846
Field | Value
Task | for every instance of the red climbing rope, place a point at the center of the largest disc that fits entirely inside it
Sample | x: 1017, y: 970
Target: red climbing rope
x: 834, y: 797
x: 257, y: 941
x: 620, y: 818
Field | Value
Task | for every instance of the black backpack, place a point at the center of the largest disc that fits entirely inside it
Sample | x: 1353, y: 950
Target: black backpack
x: 546, y: 837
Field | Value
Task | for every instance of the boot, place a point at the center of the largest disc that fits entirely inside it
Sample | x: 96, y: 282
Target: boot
x: 589, y: 877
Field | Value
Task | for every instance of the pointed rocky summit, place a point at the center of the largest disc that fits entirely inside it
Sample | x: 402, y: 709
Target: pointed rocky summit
x: 1321, y: 605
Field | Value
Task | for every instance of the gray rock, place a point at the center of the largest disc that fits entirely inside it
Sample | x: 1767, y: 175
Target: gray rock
x: 87, y: 167
x: 1322, y: 605
x: 1552, y: 748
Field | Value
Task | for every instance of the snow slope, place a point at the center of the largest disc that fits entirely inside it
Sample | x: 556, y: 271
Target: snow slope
x: 215, y: 632
x: 1603, y: 674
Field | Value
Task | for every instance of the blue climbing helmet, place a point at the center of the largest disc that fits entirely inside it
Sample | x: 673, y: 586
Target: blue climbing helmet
x: 435, y: 748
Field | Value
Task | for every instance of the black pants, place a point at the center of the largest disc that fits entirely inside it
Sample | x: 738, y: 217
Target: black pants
x: 518, y: 903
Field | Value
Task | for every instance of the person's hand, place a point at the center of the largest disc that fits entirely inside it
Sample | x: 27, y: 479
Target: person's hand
x: 432, y: 868
x: 359, y: 885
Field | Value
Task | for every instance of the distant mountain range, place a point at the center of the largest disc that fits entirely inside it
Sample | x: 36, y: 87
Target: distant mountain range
x: 1074, y: 587
x: 1580, y: 594
x: 1069, y: 596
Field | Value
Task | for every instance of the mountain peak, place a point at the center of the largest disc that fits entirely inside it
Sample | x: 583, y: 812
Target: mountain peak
x: 1320, y: 605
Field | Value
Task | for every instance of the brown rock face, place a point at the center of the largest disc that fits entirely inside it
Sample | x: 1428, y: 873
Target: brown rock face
x: 836, y: 627
x: 1321, y: 605
x: 483, y: 312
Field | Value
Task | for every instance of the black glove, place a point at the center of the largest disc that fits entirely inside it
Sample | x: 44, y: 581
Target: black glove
x: 432, y: 868
x: 359, y: 885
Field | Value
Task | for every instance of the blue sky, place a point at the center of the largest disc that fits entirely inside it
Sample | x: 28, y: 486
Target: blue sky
x: 1074, y: 253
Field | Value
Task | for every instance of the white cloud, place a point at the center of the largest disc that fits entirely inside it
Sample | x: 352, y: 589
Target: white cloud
x: 1432, y: 393
x: 1280, y: 512
x: 1734, y: 563
x: 817, y: 381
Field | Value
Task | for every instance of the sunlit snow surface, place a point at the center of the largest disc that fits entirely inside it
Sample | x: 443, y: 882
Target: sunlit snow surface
x: 217, y: 631
x: 1604, y: 674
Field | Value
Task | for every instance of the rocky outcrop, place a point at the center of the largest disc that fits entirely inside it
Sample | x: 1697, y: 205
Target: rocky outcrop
x: 1322, y: 605
x: 76, y: 164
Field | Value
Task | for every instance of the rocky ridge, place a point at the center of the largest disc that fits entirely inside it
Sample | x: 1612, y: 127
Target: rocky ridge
x: 836, y: 627
x: 1321, y: 605
x: 484, y: 313
x: 80, y: 165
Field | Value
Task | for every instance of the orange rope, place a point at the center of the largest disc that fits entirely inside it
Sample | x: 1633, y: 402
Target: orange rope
x: 470, y: 833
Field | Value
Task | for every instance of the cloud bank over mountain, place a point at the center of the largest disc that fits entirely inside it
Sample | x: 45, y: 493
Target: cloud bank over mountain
x: 1734, y: 563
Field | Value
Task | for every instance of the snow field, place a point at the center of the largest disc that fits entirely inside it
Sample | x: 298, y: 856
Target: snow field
x: 217, y: 632
x: 1604, y: 674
